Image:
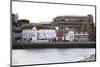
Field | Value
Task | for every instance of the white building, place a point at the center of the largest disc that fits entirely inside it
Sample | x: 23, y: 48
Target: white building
x: 69, y: 35
x: 30, y: 34
x: 46, y: 34
x: 42, y: 34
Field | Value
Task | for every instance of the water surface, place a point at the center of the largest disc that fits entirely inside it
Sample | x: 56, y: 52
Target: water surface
x: 49, y: 55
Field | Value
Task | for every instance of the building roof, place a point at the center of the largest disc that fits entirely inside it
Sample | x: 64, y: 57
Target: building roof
x: 74, y: 16
x: 72, y: 19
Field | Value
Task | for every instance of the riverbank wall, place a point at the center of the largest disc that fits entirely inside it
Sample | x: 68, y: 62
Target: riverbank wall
x: 54, y: 45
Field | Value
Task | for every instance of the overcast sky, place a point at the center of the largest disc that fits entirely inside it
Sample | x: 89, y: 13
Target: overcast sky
x: 40, y: 12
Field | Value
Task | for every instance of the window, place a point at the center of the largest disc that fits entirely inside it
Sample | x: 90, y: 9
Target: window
x: 73, y: 20
x: 66, y: 19
x: 81, y: 20
x: 62, y: 19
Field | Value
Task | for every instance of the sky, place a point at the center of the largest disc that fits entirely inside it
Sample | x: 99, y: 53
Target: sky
x: 43, y: 12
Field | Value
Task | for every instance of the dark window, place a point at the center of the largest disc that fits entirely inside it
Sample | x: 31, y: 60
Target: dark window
x: 62, y: 19
x: 80, y: 20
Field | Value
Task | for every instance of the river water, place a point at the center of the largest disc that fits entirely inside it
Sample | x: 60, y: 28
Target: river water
x: 49, y: 55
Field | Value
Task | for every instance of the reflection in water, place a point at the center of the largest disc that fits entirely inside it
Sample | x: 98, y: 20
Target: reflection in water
x: 49, y: 55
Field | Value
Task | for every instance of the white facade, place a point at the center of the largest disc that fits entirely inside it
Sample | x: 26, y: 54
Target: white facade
x: 30, y: 34
x: 69, y: 36
x: 26, y: 33
x: 49, y: 34
x: 46, y: 34
x: 42, y: 34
